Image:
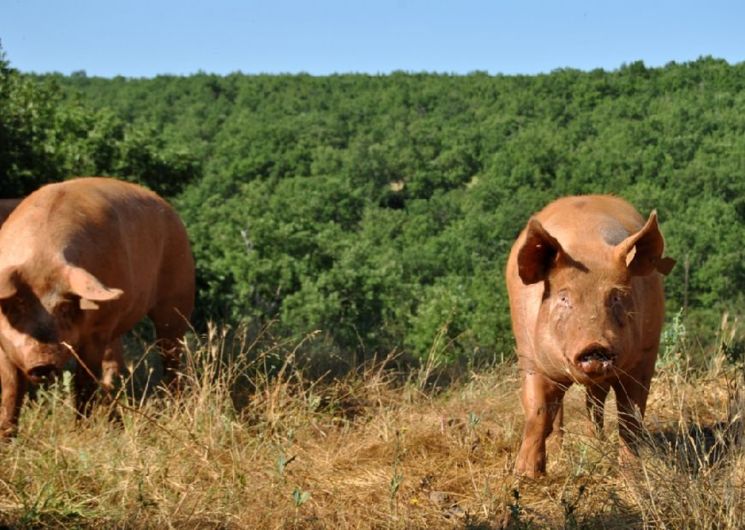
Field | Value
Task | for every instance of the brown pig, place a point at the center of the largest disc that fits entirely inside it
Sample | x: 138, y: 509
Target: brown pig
x: 585, y: 286
x: 7, y: 206
x: 81, y: 262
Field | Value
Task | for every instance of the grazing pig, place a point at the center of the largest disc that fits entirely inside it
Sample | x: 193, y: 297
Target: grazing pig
x: 585, y: 286
x: 81, y: 262
x: 7, y: 206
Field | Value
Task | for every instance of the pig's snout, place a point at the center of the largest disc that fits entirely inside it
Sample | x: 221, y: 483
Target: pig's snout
x: 595, y: 359
x: 41, y: 373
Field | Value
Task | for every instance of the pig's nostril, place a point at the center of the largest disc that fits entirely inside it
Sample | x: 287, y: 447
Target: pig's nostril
x: 39, y: 373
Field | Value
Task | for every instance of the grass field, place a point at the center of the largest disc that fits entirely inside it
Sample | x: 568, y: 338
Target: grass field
x: 240, y: 449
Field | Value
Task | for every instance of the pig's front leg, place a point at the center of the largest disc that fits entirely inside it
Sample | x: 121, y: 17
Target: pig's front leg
x: 13, y: 391
x: 542, y: 402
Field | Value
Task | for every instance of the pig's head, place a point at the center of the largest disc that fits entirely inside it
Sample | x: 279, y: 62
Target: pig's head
x: 586, y: 322
x: 42, y: 310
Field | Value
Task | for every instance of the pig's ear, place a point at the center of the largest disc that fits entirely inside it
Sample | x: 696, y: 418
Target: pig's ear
x: 642, y: 252
x: 535, y: 257
x: 89, y: 288
x: 7, y: 285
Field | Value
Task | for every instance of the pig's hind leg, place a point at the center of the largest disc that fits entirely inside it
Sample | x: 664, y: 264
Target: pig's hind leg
x: 595, y: 403
x: 171, y: 322
x: 631, y: 398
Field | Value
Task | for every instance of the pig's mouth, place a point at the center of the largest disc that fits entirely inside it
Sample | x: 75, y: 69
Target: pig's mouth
x: 41, y: 373
x: 596, y: 360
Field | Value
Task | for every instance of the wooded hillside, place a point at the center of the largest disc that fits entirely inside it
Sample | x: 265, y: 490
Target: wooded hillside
x: 380, y: 209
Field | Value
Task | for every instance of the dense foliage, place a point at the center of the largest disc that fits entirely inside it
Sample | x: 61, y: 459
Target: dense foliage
x: 44, y: 137
x: 380, y: 209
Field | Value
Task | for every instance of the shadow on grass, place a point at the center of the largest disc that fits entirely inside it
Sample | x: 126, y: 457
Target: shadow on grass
x: 693, y: 448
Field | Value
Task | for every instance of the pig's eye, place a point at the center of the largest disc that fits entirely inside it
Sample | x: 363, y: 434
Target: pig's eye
x: 617, y: 302
x: 563, y: 299
x: 618, y: 297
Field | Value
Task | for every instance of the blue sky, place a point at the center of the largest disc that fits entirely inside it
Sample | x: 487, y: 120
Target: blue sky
x: 149, y: 37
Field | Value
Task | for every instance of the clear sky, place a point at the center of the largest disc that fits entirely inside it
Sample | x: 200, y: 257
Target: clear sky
x: 150, y: 37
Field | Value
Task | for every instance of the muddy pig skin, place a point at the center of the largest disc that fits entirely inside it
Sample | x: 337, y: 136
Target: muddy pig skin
x: 81, y: 262
x: 585, y: 286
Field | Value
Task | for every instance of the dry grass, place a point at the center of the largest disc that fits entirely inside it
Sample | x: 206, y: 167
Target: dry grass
x: 242, y: 449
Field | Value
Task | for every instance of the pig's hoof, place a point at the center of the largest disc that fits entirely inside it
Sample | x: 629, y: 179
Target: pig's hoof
x: 8, y: 432
x: 526, y: 470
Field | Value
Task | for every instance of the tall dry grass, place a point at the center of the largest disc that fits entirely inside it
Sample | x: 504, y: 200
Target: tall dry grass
x: 251, y: 442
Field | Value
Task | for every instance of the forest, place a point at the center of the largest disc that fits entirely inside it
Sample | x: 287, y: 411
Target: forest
x: 377, y: 211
